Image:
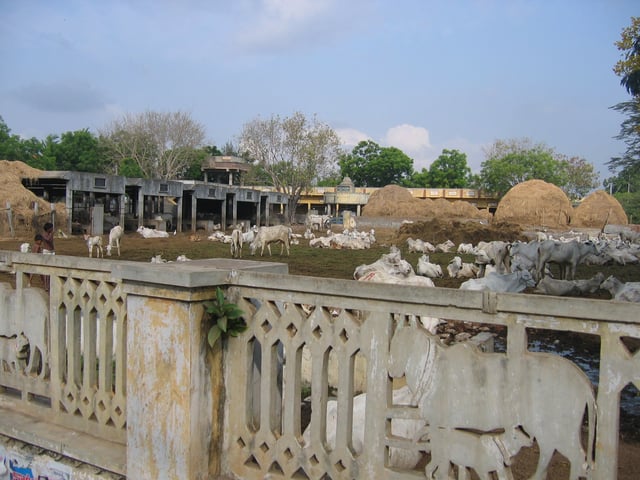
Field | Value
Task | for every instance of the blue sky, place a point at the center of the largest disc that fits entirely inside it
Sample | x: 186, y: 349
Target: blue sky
x: 418, y: 75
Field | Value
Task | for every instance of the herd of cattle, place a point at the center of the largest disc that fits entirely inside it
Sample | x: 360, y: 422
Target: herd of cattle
x: 497, y: 265
x: 514, y: 266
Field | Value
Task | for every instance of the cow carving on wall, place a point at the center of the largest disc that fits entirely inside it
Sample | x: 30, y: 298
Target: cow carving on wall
x: 539, y: 396
x: 25, y: 312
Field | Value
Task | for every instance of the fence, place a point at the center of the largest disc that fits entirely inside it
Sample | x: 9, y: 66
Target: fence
x: 124, y: 359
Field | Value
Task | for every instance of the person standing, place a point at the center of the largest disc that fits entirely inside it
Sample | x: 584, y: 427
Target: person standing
x: 37, y: 248
x: 47, y: 239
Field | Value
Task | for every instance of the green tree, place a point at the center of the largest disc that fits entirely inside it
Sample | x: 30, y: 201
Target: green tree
x: 293, y: 151
x: 628, y: 69
x: 449, y: 170
x: 419, y: 179
x: 370, y: 165
x: 129, y: 168
x: 13, y: 147
x: 79, y: 151
x: 514, y: 161
x: 581, y: 177
x: 625, y: 187
x: 162, y: 144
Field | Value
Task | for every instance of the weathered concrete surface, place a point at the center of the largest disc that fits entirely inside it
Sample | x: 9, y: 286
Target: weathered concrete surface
x: 108, y: 456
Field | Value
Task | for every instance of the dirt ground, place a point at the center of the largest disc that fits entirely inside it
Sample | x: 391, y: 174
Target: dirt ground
x: 341, y: 264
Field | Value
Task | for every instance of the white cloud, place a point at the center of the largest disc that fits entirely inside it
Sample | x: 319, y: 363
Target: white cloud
x: 412, y: 140
x: 408, y: 138
x: 273, y: 25
x: 350, y: 137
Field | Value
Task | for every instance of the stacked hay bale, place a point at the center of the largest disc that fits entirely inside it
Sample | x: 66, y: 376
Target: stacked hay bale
x: 535, y: 203
x: 396, y: 201
x: 597, y: 210
x: 22, y: 201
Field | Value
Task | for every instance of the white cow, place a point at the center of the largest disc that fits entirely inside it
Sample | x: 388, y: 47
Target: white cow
x: 570, y: 288
x: 268, y: 235
x: 428, y: 269
x: 444, y: 247
x: 566, y: 254
x: 318, y: 222
x: 151, y: 233
x: 420, y: 246
x: 115, y: 234
x: 459, y: 269
x: 493, y: 253
x: 236, y: 243
x: 496, y: 282
x: 391, y: 263
x: 620, y: 291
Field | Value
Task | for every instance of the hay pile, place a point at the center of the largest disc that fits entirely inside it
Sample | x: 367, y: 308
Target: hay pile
x: 22, y: 201
x: 535, y: 203
x: 597, y: 210
x: 396, y: 201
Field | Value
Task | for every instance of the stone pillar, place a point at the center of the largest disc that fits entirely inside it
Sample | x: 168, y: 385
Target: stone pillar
x: 140, y: 208
x: 179, y: 213
x: 194, y: 211
x: 175, y: 383
x: 174, y: 392
x: 223, y: 214
x: 123, y: 209
x: 234, y: 209
x: 68, y: 198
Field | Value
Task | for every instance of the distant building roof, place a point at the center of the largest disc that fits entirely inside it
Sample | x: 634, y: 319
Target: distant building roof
x: 225, y: 163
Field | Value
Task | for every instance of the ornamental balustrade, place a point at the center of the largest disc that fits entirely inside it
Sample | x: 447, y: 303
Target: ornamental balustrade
x: 118, y: 352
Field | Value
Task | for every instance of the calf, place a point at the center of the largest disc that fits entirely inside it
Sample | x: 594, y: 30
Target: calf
x: 268, y: 235
x: 484, y: 453
x: 95, y: 241
x: 14, y: 352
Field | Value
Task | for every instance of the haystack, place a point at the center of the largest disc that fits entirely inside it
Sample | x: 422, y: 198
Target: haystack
x: 535, y: 203
x: 22, y: 201
x: 390, y: 201
x: 396, y: 201
x: 597, y: 210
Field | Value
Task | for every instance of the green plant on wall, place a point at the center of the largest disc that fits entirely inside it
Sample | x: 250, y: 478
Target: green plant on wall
x: 226, y: 318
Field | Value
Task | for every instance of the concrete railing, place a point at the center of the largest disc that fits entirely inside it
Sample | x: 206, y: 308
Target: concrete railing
x: 181, y: 409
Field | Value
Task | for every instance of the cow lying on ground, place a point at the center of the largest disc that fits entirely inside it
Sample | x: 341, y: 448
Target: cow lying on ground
x: 428, y: 269
x: 569, y: 288
x: 391, y: 263
x: 459, y: 269
x: 151, y: 233
x: 508, y: 282
x: 419, y: 246
x: 620, y: 291
x: 268, y: 235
